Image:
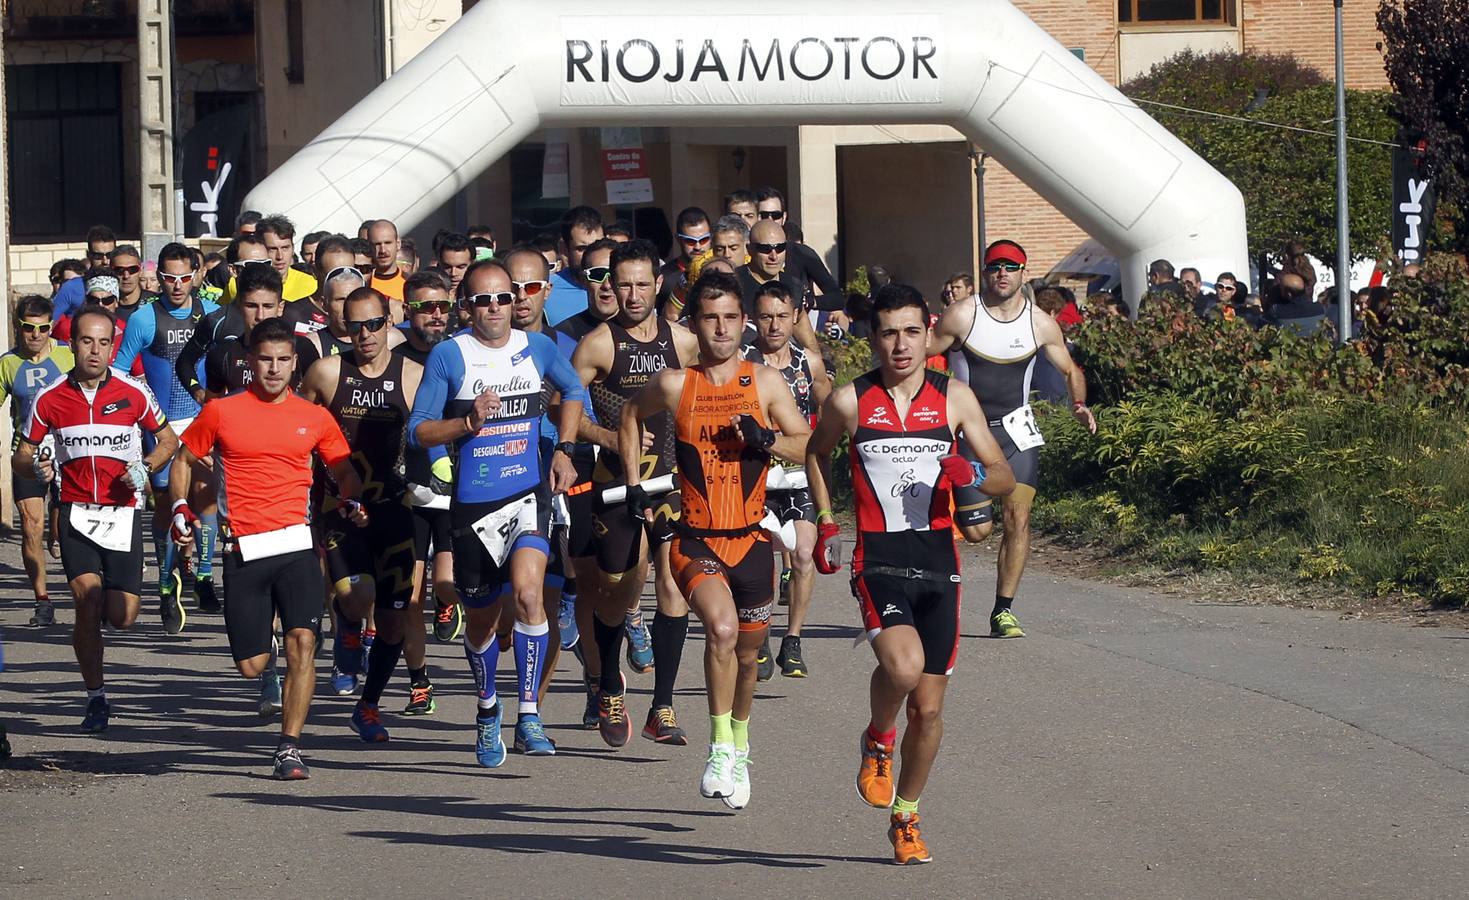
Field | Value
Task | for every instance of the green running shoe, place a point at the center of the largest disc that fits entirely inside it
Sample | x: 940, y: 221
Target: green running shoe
x: 1003, y: 624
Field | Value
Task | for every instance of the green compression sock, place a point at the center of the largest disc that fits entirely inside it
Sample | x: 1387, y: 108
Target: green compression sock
x: 720, y: 731
x: 904, y: 807
x: 741, y: 733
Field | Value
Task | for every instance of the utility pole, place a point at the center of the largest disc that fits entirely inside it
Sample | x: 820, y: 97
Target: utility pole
x: 1343, y: 227
x: 155, y: 159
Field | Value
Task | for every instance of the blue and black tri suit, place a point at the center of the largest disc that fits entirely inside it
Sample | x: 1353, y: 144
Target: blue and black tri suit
x: 499, y: 475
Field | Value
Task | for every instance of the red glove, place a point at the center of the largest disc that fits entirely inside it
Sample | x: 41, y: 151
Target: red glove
x: 827, y: 554
x: 961, y: 472
x: 184, y: 521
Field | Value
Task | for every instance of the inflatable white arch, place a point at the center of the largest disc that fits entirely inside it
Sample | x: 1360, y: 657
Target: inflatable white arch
x: 510, y: 67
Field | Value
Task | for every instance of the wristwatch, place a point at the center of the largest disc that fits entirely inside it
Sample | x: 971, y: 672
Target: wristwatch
x: 566, y: 447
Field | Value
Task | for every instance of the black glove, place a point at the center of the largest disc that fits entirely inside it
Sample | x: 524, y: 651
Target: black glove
x: 755, y: 436
x: 639, y: 504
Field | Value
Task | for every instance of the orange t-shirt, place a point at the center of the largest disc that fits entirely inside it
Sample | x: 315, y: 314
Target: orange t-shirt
x: 265, y: 449
x: 391, y: 286
x: 723, y: 480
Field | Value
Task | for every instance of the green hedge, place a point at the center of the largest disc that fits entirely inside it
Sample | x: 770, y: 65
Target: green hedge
x: 1225, y: 447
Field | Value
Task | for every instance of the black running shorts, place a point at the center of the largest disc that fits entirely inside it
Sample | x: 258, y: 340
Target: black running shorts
x: 382, y: 549
x: 431, y: 533
x: 120, y: 570
x: 255, y: 592
x: 617, y: 534
x: 929, y: 603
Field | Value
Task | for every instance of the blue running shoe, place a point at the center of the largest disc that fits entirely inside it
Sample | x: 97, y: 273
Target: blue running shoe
x: 98, y: 712
x: 566, y: 621
x: 639, y: 642
x: 343, y: 685
x: 530, y: 738
x: 489, y: 747
x: 368, y: 724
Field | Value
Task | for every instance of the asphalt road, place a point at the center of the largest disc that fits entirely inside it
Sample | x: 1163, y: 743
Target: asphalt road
x: 1134, y: 745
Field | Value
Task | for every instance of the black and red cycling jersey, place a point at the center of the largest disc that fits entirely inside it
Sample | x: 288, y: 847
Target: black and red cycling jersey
x: 96, y: 438
x: 903, y: 511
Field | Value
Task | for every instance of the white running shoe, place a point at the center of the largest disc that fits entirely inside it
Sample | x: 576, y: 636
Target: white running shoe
x: 719, y: 778
x: 739, y: 798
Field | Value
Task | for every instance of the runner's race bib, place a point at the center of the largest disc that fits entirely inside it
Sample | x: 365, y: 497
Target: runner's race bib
x: 1020, y: 425
x: 499, y: 530
x: 274, y: 543
x: 109, y: 527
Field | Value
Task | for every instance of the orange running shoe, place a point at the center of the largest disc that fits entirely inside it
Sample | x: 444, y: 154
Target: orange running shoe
x: 875, y: 777
x: 908, y: 846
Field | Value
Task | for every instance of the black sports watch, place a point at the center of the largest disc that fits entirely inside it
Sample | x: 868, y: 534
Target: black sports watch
x: 566, y: 447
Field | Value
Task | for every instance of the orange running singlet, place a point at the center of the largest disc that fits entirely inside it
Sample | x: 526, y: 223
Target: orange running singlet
x: 723, y: 491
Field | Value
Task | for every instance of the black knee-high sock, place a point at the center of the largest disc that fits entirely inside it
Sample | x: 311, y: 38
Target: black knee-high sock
x: 382, y: 659
x: 1002, y: 604
x: 669, y: 633
x: 609, y: 648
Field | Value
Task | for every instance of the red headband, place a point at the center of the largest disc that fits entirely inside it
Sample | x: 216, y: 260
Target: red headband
x: 1005, y: 252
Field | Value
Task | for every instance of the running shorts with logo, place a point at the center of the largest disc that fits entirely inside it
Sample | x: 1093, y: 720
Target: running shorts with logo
x: 616, y: 532
x: 288, y: 585
x: 905, y: 565
x: 383, y: 549
x: 481, y: 571
x: 722, y: 494
x: 120, y: 570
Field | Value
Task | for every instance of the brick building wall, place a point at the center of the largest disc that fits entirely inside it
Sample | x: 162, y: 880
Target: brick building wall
x: 1304, y: 28
x: 1307, y: 30
x: 1013, y: 210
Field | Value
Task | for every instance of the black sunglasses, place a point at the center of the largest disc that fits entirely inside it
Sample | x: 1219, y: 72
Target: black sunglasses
x: 497, y: 298
x: 431, y: 306
x: 770, y: 248
x: 374, y: 325
x: 770, y: 213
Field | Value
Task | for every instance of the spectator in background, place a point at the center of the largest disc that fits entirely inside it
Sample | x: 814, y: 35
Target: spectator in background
x: 455, y: 254
x: 308, y: 251
x: 1046, y: 381
x: 246, y: 221
x: 694, y: 237
x: 1162, y: 281
x: 361, y: 254
x: 1333, y: 314
x: 1295, y: 261
x: 1293, y: 308
x: 279, y: 235
x: 742, y: 203
x: 960, y: 286
x: 1227, y: 296
x: 1105, y: 305
x: 64, y: 270
x: 485, y: 233
x: 732, y: 240
x: 408, y: 256
x: 100, y: 244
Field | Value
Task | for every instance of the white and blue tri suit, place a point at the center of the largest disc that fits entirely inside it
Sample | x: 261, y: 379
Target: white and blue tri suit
x: 501, y: 501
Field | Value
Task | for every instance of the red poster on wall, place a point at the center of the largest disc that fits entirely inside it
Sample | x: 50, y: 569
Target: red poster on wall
x: 624, y: 167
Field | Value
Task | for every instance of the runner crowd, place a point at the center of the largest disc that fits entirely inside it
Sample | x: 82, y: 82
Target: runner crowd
x: 517, y: 439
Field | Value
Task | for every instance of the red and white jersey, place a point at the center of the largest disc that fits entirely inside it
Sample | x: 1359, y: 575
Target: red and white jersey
x: 96, y: 437
x: 903, y: 512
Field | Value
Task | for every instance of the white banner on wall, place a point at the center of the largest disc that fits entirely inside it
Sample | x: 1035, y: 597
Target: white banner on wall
x: 750, y: 60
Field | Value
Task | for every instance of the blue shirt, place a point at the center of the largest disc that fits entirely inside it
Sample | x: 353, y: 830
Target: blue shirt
x: 567, y: 298
x: 69, y: 298
x: 160, y: 352
x: 502, y: 461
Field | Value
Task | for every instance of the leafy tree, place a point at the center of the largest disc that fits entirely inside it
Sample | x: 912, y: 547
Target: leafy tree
x: 1426, y: 46
x: 1288, y: 177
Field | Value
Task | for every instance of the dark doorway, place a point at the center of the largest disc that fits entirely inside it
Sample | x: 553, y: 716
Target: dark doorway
x: 66, y: 168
